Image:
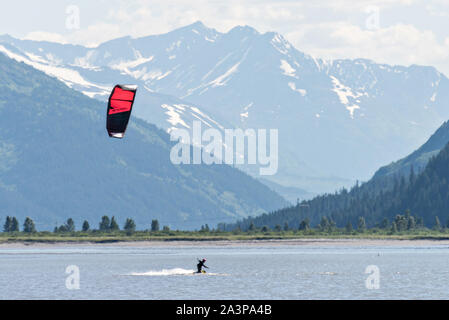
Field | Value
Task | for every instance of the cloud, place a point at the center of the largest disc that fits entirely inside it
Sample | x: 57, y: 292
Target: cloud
x: 141, y: 18
x: 398, y: 44
x: 46, y: 36
x: 349, y: 5
x: 90, y: 36
x: 438, y: 9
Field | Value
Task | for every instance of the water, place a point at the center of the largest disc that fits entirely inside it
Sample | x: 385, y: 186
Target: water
x: 236, y: 272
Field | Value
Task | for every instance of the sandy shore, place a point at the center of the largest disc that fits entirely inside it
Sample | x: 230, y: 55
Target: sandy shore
x: 241, y: 243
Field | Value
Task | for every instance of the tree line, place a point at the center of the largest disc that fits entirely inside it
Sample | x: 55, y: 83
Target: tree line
x: 399, y: 224
x: 106, y: 224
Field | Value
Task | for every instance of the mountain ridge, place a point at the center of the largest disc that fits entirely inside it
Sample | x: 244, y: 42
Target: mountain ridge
x: 367, y: 113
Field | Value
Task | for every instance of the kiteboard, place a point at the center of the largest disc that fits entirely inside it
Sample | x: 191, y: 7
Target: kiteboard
x: 202, y: 272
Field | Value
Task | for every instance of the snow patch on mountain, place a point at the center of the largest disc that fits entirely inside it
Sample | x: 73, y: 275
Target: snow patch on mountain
x: 216, y: 66
x: 292, y: 86
x: 221, y: 80
x: 36, y: 58
x: 345, y: 94
x: 205, y: 116
x: 174, y: 45
x: 173, y: 113
x: 433, y: 97
x: 145, y: 75
x: 245, y: 114
x: 287, y: 69
x: 67, y: 76
x: 126, y: 65
x: 280, y: 44
x: 84, y: 62
x: 224, y: 78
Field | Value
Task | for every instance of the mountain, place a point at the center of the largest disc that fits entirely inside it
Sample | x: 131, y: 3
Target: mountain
x: 418, y: 182
x: 57, y: 161
x: 420, y: 157
x: 428, y: 194
x: 338, y: 120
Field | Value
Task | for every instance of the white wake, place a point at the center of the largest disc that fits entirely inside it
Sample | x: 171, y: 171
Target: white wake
x: 173, y: 272
x: 165, y: 272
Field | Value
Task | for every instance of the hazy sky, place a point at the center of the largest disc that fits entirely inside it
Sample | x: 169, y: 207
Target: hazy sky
x: 389, y: 31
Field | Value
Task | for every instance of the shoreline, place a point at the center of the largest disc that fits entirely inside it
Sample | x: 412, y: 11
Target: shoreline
x: 306, y: 242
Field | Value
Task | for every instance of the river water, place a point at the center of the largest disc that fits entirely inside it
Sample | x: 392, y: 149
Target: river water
x: 235, y: 272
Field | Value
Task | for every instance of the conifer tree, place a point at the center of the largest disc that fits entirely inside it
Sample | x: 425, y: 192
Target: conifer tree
x: 105, y: 223
x: 14, y: 225
x: 154, y: 225
x: 8, y: 224
x: 130, y: 226
x: 28, y: 225
x: 86, y: 226
x: 114, y: 225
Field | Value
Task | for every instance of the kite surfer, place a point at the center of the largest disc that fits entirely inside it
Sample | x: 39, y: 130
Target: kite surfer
x: 201, y: 265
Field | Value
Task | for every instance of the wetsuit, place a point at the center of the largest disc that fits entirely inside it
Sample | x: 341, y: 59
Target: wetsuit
x: 200, y: 266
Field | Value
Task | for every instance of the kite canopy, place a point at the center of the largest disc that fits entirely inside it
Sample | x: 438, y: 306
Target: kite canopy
x: 119, y: 109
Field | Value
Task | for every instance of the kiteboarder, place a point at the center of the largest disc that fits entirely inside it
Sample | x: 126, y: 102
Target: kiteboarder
x: 200, y: 265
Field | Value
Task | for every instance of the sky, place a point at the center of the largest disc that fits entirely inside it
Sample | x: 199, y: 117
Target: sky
x: 396, y: 32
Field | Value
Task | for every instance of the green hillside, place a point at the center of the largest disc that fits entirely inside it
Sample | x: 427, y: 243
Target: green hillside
x: 395, y: 189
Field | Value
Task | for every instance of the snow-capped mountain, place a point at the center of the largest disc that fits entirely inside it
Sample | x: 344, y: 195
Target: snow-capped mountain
x: 338, y: 120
